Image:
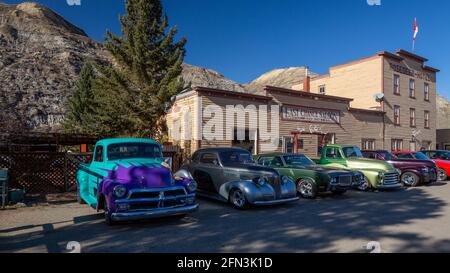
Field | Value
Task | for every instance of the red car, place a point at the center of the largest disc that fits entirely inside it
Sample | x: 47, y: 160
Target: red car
x: 442, y: 159
x: 443, y: 165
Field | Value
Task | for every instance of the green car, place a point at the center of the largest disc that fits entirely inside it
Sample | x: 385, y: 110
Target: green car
x: 310, y: 178
x: 378, y: 174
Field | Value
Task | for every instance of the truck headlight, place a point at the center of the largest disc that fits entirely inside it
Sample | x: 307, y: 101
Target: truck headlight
x: 285, y: 180
x: 398, y: 171
x: 262, y: 181
x: 425, y: 169
x: 192, y: 186
x: 333, y: 180
x: 120, y: 191
x: 380, y: 175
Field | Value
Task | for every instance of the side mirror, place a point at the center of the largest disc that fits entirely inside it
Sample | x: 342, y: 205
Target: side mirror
x: 215, y: 162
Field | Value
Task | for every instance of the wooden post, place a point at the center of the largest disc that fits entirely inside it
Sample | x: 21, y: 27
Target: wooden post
x: 66, y: 177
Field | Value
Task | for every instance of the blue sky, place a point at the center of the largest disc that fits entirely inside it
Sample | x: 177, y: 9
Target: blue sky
x: 244, y: 38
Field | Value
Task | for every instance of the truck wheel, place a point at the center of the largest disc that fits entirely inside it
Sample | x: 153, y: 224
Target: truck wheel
x: 365, y: 185
x: 79, y: 199
x: 307, y: 188
x: 410, y: 179
x: 442, y: 175
x: 108, y: 220
x: 238, y: 199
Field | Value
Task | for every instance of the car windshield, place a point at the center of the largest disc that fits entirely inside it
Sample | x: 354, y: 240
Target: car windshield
x: 133, y: 150
x: 444, y: 155
x: 298, y: 160
x: 352, y: 152
x: 387, y: 155
x: 421, y: 156
x: 235, y: 157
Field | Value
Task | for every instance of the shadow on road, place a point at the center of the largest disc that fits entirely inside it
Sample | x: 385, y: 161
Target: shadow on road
x: 306, y: 226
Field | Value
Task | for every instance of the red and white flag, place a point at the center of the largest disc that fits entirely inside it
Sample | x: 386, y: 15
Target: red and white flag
x: 416, y: 31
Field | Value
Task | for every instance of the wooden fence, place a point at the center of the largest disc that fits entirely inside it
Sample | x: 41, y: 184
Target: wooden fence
x: 42, y: 172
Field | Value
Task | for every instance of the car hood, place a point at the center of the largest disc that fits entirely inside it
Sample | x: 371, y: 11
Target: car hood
x: 252, y: 170
x: 370, y: 164
x: 141, y: 173
x: 405, y: 163
x: 321, y: 169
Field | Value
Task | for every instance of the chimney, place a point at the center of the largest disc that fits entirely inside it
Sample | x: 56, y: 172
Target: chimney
x: 307, y: 81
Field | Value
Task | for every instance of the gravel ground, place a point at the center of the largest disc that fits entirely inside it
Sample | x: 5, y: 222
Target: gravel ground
x: 412, y: 220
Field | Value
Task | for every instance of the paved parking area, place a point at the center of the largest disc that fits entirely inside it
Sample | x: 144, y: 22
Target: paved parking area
x: 412, y: 220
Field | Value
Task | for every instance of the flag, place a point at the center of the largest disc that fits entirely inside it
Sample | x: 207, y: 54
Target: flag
x: 416, y: 31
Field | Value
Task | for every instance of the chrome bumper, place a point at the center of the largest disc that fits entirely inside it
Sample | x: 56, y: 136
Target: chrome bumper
x: 275, y: 202
x: 154, y: 213
x: 389, y: 187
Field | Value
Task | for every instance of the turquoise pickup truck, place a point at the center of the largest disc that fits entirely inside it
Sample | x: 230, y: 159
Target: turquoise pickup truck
x: 378, y: 174
x: 129, y: 179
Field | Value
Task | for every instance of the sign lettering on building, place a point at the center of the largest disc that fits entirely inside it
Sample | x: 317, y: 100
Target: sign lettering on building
x: 413, y: 73
x: 298, y: 113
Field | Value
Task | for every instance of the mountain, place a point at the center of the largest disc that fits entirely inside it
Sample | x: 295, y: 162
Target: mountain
x: 285, y: 78
x: 443, y: 106
x: 197, y: 76
x: 41, y: 55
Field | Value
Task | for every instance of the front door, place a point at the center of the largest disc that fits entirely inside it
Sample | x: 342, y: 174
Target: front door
x: 207, y: 172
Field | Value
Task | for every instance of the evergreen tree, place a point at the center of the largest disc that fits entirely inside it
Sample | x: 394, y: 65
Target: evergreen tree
x: 80, y: 110
x: 133, y: 94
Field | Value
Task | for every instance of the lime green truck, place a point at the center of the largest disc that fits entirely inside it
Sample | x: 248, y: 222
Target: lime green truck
x: 378, y: 175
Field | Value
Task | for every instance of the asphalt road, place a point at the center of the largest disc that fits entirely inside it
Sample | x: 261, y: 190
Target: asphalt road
x: 413, y: 220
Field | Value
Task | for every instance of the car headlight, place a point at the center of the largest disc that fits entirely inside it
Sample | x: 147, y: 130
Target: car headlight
x: 425, y: 169
x: 192, y: 186
x: 285, y: 180
x: 398, y: 171
x: 381, y: 176
x: 120, y: 191
x: 262, y: 181
x: 333, y: 180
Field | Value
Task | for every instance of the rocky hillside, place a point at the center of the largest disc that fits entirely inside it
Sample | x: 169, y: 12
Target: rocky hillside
x: 40, y: 58
x: 197, y: 76
x: 285, y: 78
x: 443, y: 106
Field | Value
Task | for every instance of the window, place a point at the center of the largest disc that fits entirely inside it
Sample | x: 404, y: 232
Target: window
x: 397, y: 145
x: 271, y: 161
x: 370, y: 155
x: 412, y: 88
x: 134, y: 150
x: 333, y: 153
x: 396, y: 115
x: 209, y: 159
x: 412, y: 117
x: 405, y: 156
x: 246, y: 143
x: 396, y: 84
x: 427, y: 120
x: 99, y: 154
x: 368, y: 144
x: 426, y: 91
x: 322, y: 90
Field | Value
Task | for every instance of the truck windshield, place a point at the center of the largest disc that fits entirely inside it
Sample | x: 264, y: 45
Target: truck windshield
x: 298, y: 160
x: 352, y: 152
x: 235, y: 157
x: 133, y: 150
x: 421, y: 156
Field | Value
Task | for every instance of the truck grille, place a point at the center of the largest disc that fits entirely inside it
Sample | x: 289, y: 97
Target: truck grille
x: 345, y: 180
x: 391, y: 178
x: 155, y: 194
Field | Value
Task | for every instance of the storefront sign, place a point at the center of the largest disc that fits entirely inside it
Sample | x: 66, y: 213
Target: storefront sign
x: 298, y: 113
x: 413, y: 73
